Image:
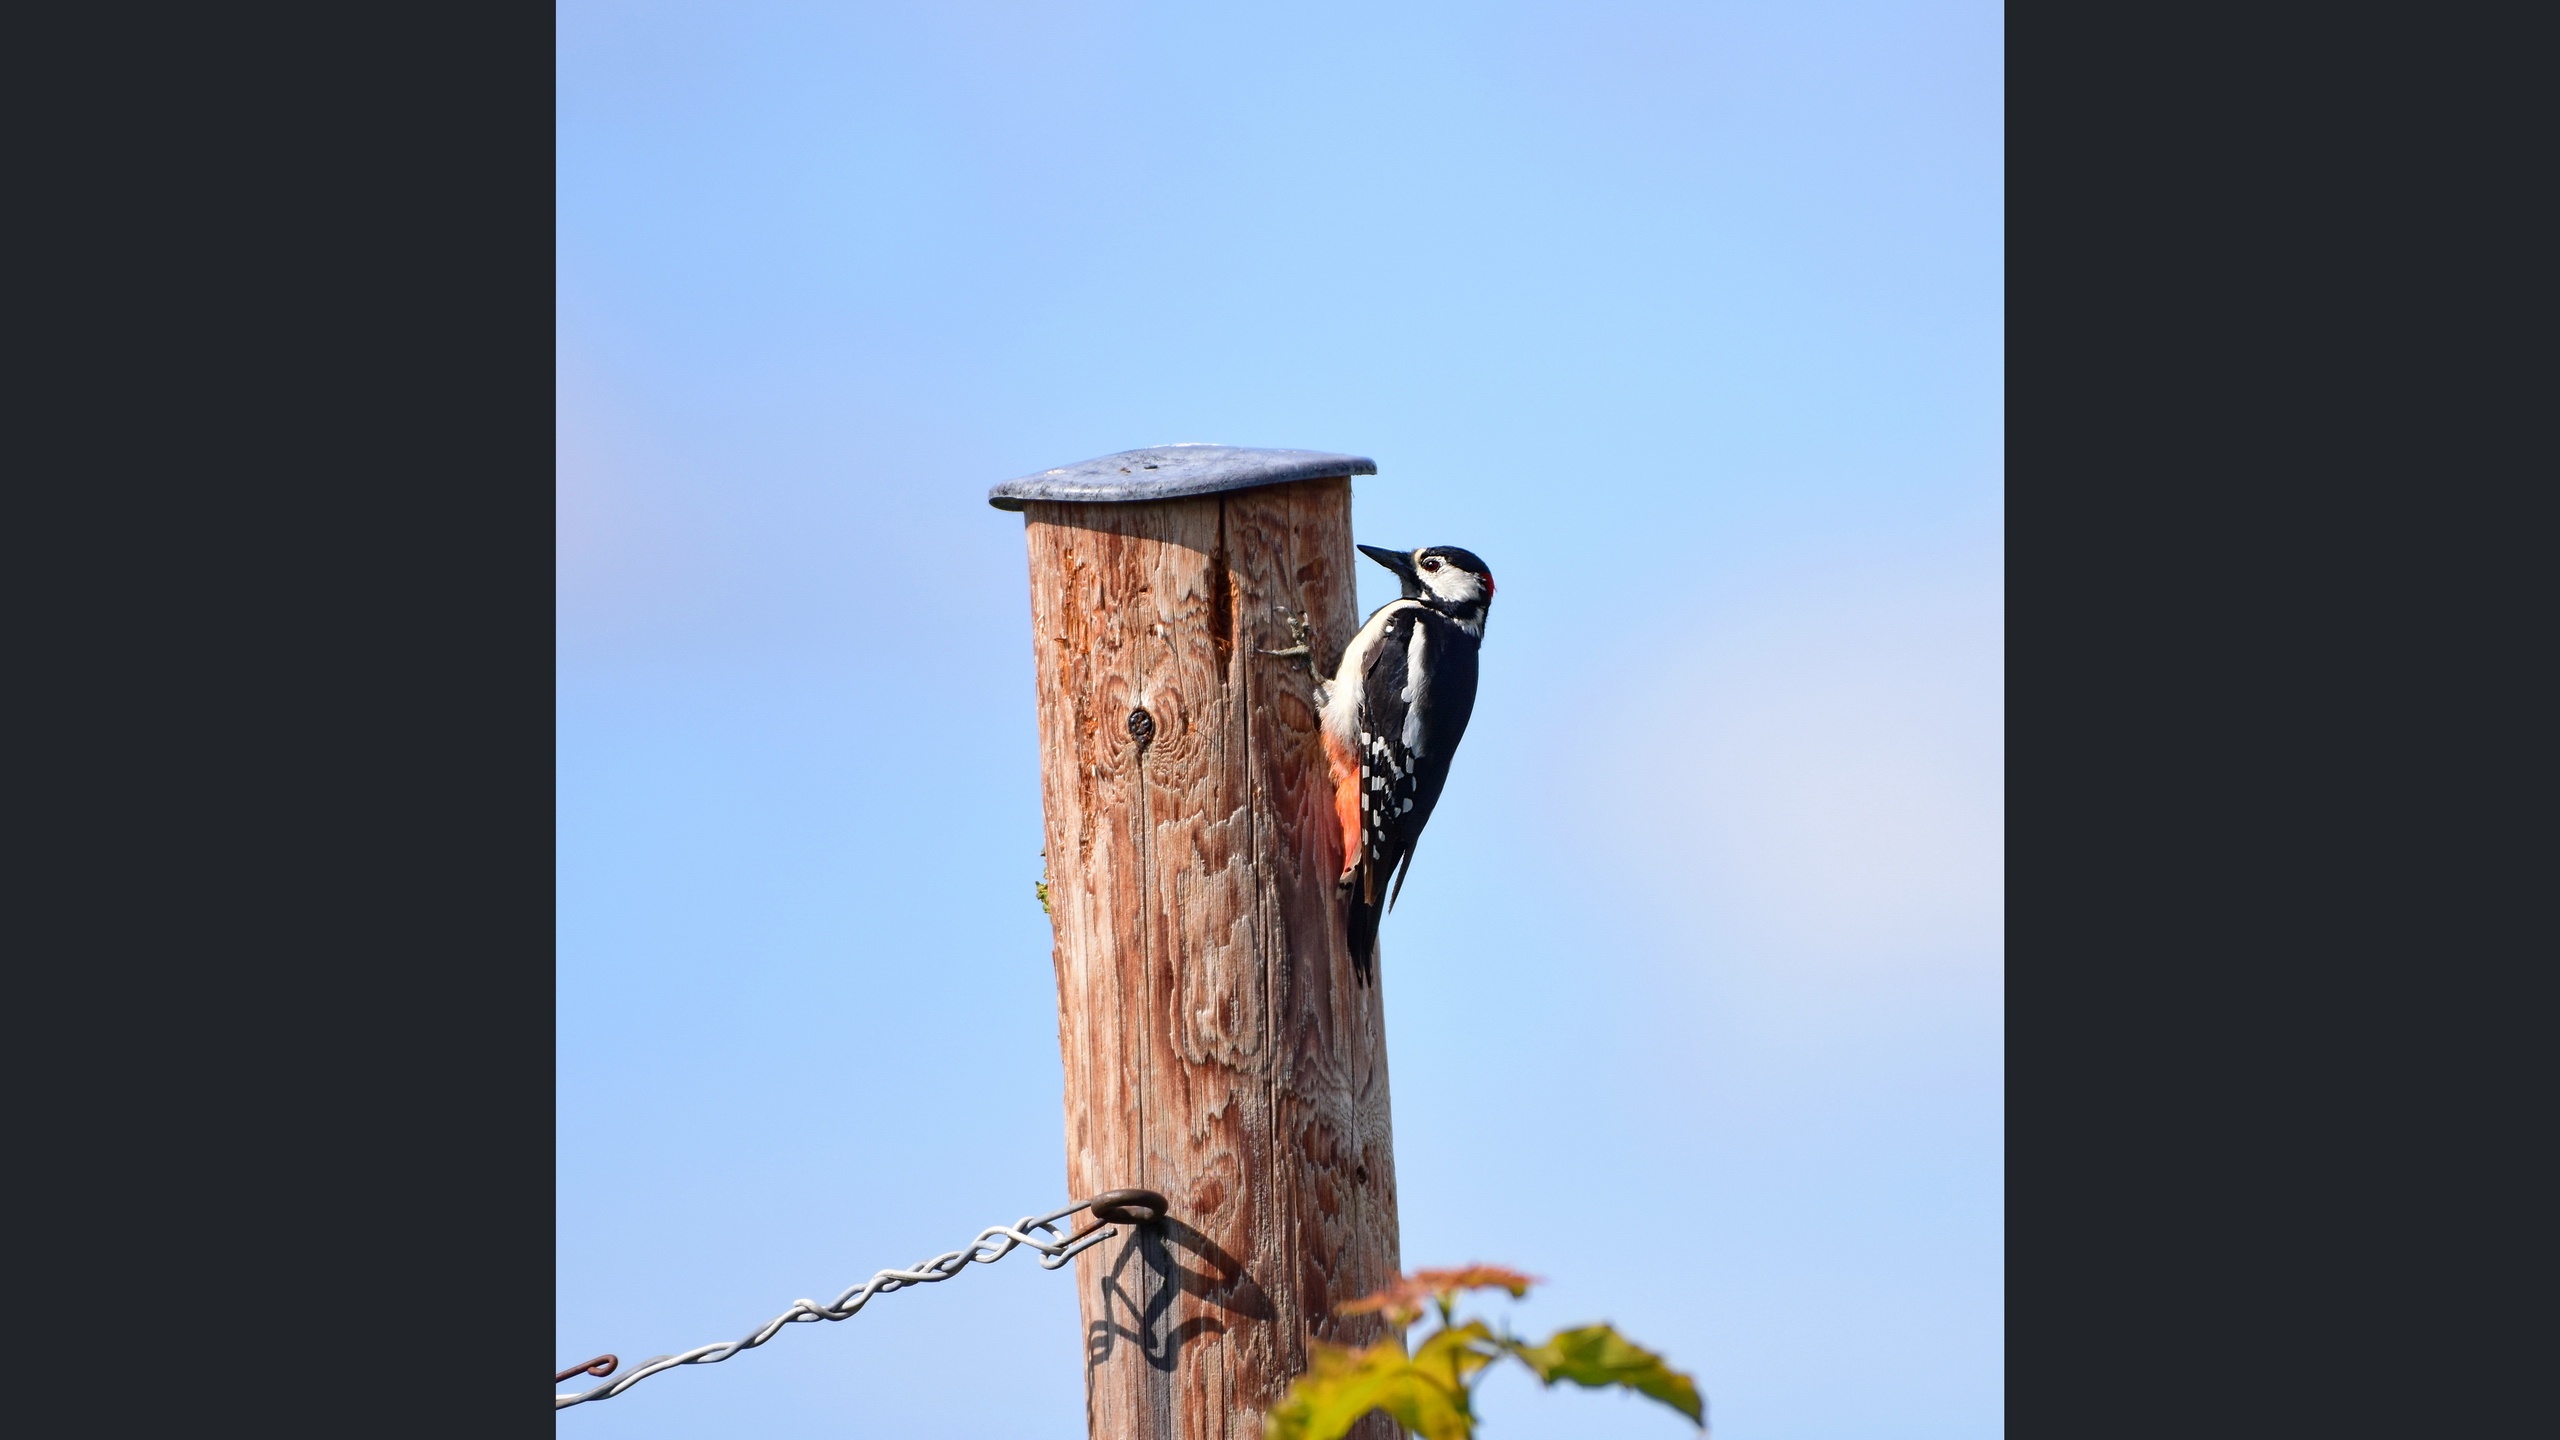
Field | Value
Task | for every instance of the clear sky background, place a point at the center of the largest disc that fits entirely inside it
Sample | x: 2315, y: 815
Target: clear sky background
x: 1686, y: 316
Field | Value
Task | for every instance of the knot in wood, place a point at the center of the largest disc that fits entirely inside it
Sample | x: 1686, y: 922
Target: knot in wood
x: 1142, y: 727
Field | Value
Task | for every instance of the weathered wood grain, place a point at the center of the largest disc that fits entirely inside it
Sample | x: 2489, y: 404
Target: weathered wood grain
x: 1216, y: 1046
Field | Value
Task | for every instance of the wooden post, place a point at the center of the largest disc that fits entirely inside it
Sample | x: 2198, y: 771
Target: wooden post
x: 1217, y: 1047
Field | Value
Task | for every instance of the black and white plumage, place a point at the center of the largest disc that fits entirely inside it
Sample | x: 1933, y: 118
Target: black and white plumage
x: 1393, y: 715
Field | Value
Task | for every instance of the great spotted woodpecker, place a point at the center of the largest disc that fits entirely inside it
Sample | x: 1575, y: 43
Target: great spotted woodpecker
x: 1393, y: 715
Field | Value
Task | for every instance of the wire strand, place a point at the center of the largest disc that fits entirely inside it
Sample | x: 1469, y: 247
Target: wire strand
x: 993, y: 1244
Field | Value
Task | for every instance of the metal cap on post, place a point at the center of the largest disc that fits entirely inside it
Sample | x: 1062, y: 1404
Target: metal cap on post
x: 1218, y: 1048
x: 1162, y: 472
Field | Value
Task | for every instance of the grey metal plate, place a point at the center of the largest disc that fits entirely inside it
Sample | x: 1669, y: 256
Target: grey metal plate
x: 1162, y: 472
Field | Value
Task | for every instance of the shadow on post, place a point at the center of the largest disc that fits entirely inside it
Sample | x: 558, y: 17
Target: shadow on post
x: 1138, y: 1291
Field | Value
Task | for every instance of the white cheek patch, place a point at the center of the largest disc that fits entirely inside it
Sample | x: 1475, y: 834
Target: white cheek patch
x: 1459, y: 587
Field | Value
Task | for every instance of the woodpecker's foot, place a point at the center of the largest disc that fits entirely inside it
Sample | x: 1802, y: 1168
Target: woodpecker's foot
x: 1301, y: 647
x: 1324, y: 693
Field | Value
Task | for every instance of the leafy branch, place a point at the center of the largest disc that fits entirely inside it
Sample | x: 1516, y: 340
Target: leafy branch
x: 1430, y: 1390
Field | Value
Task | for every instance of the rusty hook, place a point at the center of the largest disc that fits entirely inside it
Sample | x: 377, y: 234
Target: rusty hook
x: 1128, y: 1207
x: 599, y: 1367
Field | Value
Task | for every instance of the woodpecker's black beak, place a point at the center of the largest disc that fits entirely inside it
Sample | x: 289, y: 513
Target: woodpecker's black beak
x: 1400, y: 563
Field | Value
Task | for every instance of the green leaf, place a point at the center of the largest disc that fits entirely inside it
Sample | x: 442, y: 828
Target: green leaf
x: 1452, y: 1354
x: 1342, y: 1385
x: 1596, y: 1356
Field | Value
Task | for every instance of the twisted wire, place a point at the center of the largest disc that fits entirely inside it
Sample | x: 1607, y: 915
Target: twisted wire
x: 993, y: 1244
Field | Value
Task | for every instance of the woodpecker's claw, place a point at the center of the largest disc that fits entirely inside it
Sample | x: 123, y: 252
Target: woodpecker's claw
x: 1302, y: 647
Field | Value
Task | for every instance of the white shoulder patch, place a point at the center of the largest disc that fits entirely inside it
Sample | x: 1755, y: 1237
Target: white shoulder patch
x: 1342, y: 700
x: 1417, y: 689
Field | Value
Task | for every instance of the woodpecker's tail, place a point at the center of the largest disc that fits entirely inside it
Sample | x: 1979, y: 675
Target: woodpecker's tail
x: 1363, y: 924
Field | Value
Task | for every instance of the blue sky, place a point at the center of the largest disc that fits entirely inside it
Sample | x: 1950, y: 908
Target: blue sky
x: 1685, y: 316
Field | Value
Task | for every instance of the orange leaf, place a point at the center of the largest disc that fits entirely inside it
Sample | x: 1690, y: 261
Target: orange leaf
x: 1403, y: 1301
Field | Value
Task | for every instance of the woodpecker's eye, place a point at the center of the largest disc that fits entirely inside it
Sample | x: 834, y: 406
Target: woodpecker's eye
x: 1430, y: 564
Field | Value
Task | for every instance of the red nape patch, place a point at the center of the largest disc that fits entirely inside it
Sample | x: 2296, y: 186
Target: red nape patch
x: 1488, y: 587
